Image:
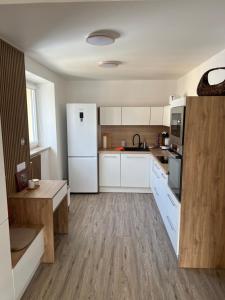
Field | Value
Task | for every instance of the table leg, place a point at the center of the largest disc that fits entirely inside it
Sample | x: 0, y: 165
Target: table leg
x: 61, y: 217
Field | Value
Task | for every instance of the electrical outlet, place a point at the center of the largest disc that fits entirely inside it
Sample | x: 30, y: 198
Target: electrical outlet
x: 20, y: 167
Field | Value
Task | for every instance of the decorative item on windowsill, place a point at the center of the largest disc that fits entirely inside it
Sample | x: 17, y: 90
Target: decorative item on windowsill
x: 205, y: 89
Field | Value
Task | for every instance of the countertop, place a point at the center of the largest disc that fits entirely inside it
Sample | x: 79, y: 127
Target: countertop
x: 154, y: 152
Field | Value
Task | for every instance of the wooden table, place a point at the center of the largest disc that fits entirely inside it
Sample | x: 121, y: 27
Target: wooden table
x: 47, y: 206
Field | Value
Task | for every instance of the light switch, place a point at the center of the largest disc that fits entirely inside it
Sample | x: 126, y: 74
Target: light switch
x: 20, y: 167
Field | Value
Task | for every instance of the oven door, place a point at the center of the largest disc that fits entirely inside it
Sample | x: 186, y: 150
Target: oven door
x: 174, y: 178
x: 177, y: 125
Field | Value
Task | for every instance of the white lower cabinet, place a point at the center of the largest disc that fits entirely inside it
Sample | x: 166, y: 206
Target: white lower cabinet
x: 167, y: 203
x: 109, y: 170
x: 126, y: 172
x: 6, y: 277
x: 135, y: 170
x: 27, y: 265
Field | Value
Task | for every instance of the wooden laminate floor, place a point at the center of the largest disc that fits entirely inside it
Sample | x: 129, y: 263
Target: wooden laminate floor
x: 118, y: 249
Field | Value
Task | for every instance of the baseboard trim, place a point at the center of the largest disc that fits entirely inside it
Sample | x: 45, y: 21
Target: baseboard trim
x: 124, y: 190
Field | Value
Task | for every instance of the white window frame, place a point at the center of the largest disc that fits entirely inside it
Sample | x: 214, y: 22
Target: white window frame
x: 33, y: 87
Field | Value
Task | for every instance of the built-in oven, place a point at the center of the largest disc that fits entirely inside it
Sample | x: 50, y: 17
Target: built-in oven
x: 177, y: 141
x: 175, y: 173
x: 177, y: 128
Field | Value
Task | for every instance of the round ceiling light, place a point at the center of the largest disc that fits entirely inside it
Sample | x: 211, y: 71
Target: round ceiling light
x: 99, y: 40
x: 109, y: 64
x: 102, y: 37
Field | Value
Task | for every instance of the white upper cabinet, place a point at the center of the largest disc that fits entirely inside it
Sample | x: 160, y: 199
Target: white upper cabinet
x: 3, y: 198
x: 156, y: 116
x: 135, y: 115
x: 166, y: 116
x: 110, y: 116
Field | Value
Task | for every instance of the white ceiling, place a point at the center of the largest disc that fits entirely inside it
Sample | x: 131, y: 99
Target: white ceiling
x: 160, y: 39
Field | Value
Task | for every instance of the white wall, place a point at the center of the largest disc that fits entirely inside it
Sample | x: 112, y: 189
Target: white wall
x: 60, y: 167
x: 121, y: 92
x: 47, y: 133
x: 187, y: 85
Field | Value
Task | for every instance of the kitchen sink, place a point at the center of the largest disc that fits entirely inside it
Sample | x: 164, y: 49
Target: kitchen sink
x: 135, y: 149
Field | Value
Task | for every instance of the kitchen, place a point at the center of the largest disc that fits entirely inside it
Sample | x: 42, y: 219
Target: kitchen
x: 112, y: 170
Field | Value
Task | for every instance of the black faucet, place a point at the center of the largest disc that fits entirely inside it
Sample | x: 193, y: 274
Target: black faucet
x: 139, y: 140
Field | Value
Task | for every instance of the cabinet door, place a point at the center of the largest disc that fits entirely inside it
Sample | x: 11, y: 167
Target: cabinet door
x: 135, y: 115
x: 3, y: 198
x: 110, y: 115
x: 6, y: 278
x: 156, y: 116
x: 109, y: 170
x: 166, y: 115
x: 135, y: 170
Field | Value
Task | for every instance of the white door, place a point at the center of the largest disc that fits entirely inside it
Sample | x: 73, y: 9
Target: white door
x: 166, y: 115
x: 6, y: 278
x: 83, y: 174
x: 156, y: 116
x: 135, y: 170
x: 3, y: 198
x: 109, y: 170
x: 135, y: 115
x: 82, y: 129
x: 110, y: 115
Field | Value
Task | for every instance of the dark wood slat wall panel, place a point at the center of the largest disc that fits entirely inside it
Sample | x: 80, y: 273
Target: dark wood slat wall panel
x: 13, y: 111
x: 36, y: 166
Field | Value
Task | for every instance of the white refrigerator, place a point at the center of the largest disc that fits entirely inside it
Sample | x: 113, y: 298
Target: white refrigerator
x: 82, y: 147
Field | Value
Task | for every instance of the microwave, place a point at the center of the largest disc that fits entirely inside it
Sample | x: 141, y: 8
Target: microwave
x: 177, y: 128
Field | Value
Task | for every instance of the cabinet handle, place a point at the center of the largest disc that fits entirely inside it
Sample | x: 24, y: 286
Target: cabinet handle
x: 156, y: 173
x: 157, y: 166
x: 156, y: 191
x: 135, y: 157
x: 171, y: 200
x: 163, y: 176
x: 170, y: 223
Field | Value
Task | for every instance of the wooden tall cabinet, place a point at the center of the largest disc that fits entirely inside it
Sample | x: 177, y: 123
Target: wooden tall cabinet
x: 202, y: 228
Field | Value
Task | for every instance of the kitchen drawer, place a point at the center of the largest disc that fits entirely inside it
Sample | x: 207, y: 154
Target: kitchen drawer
x: 160, y: 200
x: 156, y: 195
x: 59, y: 196
x: 172, y: 232
x: 159, y: 173
x: 173, y: 207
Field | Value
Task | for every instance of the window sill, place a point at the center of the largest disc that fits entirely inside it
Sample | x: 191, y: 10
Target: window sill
x: 38, y: 150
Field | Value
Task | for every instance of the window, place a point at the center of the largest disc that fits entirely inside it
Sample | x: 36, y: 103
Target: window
x: 32, y: 116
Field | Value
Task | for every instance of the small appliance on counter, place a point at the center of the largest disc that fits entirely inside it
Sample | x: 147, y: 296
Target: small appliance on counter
x: 165, y: 141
